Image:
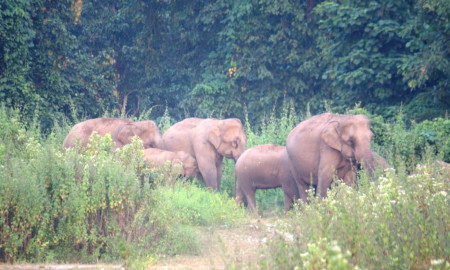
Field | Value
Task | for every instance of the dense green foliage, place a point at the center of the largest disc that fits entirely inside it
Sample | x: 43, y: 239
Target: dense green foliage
x: 223, y: 58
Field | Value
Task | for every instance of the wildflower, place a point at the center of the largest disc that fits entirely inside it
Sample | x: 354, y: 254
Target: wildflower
x: 437, y: 261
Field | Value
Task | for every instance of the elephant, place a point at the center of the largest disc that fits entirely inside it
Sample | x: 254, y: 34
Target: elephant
x: 121, y: 130
x: 157, y: 158
x: 208, y: 141
x: 263, y: 167
x: 326, y: 144
x: 348, y: 172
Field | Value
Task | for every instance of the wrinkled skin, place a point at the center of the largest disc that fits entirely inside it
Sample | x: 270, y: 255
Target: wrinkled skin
x: 263, y: 167
x: 121, y: 130
x: 208, y: 141
x: 157, y: 158
x: 324, y: 145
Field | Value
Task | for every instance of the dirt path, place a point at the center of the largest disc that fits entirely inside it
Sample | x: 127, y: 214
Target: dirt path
x: 225, y: 247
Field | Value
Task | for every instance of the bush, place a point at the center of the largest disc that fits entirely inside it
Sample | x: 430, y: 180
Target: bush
x: 95, y: 203
x: 392, y: 223
x: 436, y: 134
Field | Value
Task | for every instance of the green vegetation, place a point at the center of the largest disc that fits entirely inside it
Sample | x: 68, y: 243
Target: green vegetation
x: 396, y: 222
x: 85, y: 205
x: 82, y: 58
x: 99, y: 204
x: 269, y: 63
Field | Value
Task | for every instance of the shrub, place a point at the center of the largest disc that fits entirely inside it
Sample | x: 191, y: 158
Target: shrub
x: 436, y: 134
x: 393, y: 223
x: 94, y: 203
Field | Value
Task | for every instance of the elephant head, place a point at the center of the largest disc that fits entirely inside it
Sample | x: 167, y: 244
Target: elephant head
x: 147, y: 131
x: 190, y: 166
x: 228, y: 137
x: 351, y: 136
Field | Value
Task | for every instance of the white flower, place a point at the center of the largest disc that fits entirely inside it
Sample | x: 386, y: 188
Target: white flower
x: 437, y: 261
x: 303, y: 255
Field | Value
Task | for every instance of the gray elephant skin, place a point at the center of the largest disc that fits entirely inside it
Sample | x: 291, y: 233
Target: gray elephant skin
x: 263, y: 167
x: 121, y: 130
x: 208, y: 141
x: 158, y: 158
x: 326, y: 144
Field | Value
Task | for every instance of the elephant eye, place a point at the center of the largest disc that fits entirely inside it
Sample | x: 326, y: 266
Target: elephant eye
x: 351, y: 142
x: 234, y: 144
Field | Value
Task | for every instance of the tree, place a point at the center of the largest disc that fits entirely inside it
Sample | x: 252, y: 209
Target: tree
x: 426, y: 64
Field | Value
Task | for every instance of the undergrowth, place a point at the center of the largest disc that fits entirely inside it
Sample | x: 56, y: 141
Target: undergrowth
x: 96, y: 203
x: 394, y: 222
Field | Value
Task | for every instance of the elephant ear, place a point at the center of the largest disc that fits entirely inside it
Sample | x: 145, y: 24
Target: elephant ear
x: 214, y: 136
x: 125, y: 134
x: 330, y: 135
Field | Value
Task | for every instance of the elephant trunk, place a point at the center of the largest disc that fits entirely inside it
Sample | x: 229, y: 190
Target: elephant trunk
x: 236, y: 156
x: 365, y: 158
x: 159, y: 143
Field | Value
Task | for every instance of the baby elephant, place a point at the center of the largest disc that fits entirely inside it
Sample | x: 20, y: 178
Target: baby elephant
x: 157, y: 158
x: 263, y: 167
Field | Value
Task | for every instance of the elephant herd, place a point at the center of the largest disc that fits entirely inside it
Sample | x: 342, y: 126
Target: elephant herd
x: 318, y: 149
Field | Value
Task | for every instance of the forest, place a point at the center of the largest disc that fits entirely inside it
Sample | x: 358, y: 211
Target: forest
x: 84, y: 59
x: 271, y: 64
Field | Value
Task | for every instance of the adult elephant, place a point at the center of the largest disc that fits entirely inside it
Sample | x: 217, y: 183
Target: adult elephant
x: 263, y: 167
x: 121, y: 130
x: 323, y: 145
x: 208, y: 141
x: 157, y: 158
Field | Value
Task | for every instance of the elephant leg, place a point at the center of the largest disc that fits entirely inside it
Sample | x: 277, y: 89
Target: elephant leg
x: 288, y: 201
x: 240, y: 197
x: 302, y: 189
x: 251, y: 200
x: 324, y: 182
x: 245, y: 201
x: 219, y: 166
x: 349, y: 178
x: 208, y: 171
x: 289, y: 197
x: 299, y: 184
x: 328, y: 164
x: 210, y: 176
